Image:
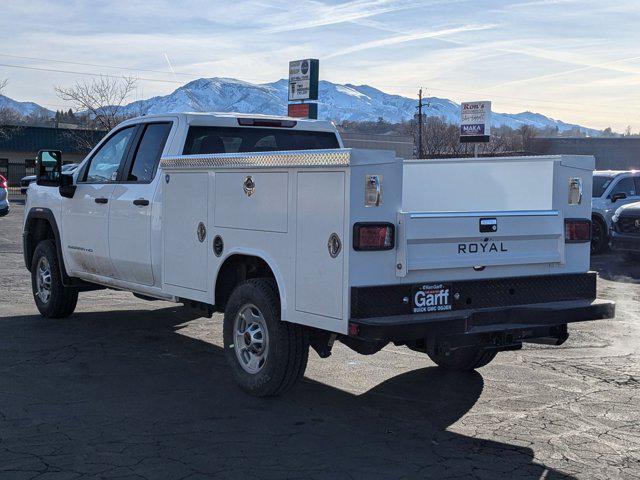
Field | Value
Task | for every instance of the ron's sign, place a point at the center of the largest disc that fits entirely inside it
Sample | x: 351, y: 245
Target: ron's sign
x: 303, y: 79
x: 475, y: 122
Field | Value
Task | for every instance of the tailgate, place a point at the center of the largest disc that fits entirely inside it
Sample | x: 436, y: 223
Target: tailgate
x: 476, y: 213
x: 438, y: 240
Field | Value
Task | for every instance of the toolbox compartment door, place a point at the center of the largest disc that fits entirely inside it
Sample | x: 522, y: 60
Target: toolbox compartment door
x: 320, y: 214
x: 185, y: 209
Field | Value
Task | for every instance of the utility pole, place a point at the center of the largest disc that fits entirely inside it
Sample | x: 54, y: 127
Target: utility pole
x: 420, y: 124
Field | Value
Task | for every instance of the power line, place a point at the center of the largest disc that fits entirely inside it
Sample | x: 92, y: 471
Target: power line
x: 107, y: 75
x: 68, y: 62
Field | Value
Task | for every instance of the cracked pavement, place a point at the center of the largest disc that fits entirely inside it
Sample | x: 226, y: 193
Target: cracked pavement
x: 130, y: 389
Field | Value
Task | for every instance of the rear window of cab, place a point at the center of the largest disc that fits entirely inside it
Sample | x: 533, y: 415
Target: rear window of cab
x: 203, y: 140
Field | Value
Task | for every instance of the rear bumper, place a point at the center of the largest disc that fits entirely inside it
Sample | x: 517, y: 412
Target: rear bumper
x: 529, y: 321
x: 625, y: 242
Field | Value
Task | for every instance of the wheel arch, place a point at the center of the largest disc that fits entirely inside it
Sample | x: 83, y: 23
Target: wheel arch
x: 239, y: 265
x: 39, y: 225
x: 600, y: 217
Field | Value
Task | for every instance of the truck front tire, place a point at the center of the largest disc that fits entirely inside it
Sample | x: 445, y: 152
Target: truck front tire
x: 463, y: 359
x: 267, y: 356
x: 53, y: 299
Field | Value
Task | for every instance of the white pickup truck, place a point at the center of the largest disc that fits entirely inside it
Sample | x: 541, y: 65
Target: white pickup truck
x: 301, y: 242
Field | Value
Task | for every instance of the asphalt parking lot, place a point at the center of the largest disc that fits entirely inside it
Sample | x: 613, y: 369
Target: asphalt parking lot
x: 132, y: 389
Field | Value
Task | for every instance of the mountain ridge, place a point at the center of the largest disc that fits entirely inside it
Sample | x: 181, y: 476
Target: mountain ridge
x: 338, y: 102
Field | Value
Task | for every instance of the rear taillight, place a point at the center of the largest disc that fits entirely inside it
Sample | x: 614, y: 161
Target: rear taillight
x: 577, y: 230
x: 373, y: 236
x: 3, y: 182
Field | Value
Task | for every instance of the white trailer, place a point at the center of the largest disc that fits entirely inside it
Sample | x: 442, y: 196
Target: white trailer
x: 459, y: 259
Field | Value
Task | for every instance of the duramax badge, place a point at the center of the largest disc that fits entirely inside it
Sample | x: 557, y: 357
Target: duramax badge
x: 372, y: 190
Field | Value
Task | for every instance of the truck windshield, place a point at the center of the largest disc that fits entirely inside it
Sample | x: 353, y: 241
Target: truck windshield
x: 202, y: 140
x: 600, y: 184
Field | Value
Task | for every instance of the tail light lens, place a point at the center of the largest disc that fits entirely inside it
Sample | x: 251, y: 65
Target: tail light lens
x: 3, y: 182
x: 577, y: 230
x: 373, y: 236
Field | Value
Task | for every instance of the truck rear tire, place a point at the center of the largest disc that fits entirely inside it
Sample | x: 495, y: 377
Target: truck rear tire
x: 267, y: 356
x: 463, y: 359
x: 52, y: 298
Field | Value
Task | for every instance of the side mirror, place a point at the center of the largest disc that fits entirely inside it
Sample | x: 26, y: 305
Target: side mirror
x: 67, y: 188
x: 618, y: 196
x: 49, y: 168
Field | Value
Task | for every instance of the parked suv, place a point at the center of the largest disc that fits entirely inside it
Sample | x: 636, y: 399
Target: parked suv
x: 625, y: 231
x: 4, y: 196
x: 611, y: 190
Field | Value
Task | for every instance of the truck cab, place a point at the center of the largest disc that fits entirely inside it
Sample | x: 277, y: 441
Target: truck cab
x: 611, y: 190
x: 300, y: 242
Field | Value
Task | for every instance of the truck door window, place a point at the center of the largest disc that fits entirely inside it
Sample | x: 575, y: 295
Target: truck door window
x: 204, y: 140
x: 625, y: 185
x: 103, y: 167
x: 147, y: 156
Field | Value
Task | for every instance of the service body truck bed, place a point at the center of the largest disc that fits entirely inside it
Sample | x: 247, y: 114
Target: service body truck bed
x: 456, y: 258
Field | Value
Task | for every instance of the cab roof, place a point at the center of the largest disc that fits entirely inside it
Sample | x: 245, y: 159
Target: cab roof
x: 230, y: 119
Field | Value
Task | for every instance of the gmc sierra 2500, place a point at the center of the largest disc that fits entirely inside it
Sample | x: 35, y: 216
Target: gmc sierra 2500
x: 301, y: 242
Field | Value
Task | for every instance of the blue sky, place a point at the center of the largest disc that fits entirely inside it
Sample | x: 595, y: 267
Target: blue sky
x: 576, y: 60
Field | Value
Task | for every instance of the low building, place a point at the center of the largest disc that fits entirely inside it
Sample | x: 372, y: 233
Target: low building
x: 617, y: 153
x: 19, y: 146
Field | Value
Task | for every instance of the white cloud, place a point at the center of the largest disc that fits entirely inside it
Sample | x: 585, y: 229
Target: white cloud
x: 411, y: 37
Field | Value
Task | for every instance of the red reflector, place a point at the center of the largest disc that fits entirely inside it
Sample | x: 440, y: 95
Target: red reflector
x: 373, y: 236
x: 577, y: 231
x: 354, y: 330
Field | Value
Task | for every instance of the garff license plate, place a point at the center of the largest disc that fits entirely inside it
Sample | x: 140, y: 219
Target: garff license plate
x: 431, y: 297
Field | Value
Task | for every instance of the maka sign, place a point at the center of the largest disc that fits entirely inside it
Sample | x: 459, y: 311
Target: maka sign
x: 475, y: 122
x: 303, y: 79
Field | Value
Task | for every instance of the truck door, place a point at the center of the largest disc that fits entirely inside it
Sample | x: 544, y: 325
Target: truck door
x: 131, y: 206
x: 85, y: 217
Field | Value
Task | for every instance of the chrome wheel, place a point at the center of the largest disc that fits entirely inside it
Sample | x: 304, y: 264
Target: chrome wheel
x: 251, y: 339
x: 43, y: 280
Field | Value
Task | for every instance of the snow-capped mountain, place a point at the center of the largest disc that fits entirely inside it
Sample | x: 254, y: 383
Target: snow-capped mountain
x: 23, y: 108
x: 337, y: 102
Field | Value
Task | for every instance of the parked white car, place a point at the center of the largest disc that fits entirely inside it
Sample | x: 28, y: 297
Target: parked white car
x: 301, y: 242
x: 611, y: 190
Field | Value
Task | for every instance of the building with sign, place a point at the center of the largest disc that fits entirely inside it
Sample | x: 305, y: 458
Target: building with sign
x: 19, y: 146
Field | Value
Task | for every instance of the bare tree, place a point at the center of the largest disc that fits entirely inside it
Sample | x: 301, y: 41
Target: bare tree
x: 103, y: 98
x: 7, y: 116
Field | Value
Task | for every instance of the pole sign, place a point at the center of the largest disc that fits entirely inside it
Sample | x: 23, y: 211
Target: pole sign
x: 475, y: 122
x: 303, y: 79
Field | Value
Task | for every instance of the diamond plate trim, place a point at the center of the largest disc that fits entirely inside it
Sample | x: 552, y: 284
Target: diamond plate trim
x: 308, y: 158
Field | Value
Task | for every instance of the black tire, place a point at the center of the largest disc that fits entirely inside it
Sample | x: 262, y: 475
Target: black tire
x: 599, y: 236
x: 61, y: 301
x: 285, y: 360
x: 464, y: 359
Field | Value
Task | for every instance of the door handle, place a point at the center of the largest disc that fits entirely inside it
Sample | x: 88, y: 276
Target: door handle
x: 141, y: 202
x: 101, y: 200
